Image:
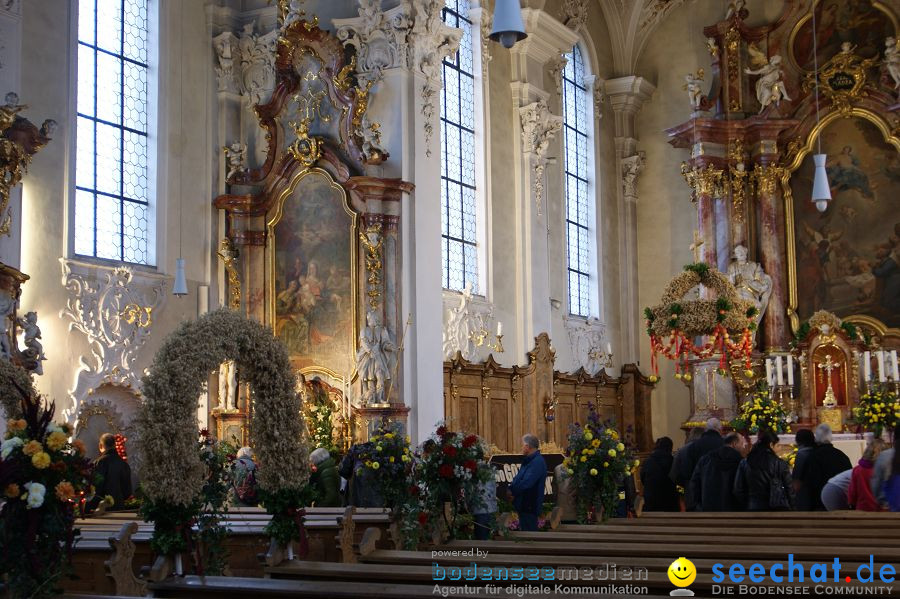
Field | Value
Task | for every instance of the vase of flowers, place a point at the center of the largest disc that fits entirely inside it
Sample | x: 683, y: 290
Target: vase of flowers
x: 43, y: 472
x: 598, y: 462
x: 760, y: 412
x: 878, y: 410
x: 386, y: 460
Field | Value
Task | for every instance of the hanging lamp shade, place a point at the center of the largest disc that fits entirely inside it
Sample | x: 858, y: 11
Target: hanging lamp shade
x: 508, y: 27
x: 821, y: 192
x: 180, y: 280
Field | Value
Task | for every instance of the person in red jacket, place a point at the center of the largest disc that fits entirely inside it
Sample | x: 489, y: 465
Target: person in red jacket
x: 860, y: 493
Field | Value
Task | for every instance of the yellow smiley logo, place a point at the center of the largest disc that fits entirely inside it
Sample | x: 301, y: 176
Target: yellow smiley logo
x: 682, y: 572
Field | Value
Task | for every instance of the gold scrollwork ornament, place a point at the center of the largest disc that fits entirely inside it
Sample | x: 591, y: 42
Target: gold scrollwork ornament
x: 842, y: 78
x: 306, y: 149
x: 229, y: 255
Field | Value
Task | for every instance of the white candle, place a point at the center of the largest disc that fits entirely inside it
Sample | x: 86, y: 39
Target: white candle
x: 499, y: 328
x: 896, y: 368
x: 882, y: 375
x: 609, y: 349
x: 867, y: 365
x: 769, y: 371
x: 790, y: 370
x: 179, y: 571
x: 290, y: 551
x: 778, y: 366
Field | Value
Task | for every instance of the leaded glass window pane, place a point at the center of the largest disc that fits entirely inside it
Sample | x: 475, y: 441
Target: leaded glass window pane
x: 112, y: 204
x: 459, y: 209
x: 576, y: 112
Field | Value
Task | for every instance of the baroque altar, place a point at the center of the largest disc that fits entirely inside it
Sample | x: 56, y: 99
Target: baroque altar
x: 749, y: 142
x: 312, y: 247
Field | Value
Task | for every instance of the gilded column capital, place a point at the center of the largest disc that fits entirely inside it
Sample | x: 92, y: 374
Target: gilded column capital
x: 766, y: 176
x: 703, y: 181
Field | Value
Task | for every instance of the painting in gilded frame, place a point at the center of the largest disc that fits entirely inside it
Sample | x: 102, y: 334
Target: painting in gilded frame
x: 848, y: 257
x: 863, y: 23
x: 311, y: 262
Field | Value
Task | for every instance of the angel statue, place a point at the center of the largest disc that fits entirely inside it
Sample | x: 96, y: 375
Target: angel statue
x: 692, y: 86
x: 734, y: 8
x: 892, y: 60
x: 770, y: 86
x: 9, y: 110
x: 751, y: 282
x: 372, y: 360
x: 236, y: 157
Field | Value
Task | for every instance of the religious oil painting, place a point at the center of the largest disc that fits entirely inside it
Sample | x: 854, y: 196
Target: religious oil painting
x: 848, y: 258
x: 863, y: 23
x: 311, y: 270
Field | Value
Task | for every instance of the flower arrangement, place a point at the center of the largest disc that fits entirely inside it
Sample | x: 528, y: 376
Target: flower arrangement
x: 319, y: 423
x: 42, y: 474
x: 173, y: 475
x: 877, y: 410
x: 761, y: 412
x: 218, y: 457
x: 675, y: 321
x: 444, y: 486
x: 598, y: 461
x: 791, y: 456
x: 388, y: 460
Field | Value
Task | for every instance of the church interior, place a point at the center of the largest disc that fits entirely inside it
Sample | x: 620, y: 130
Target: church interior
x: 281, y: 227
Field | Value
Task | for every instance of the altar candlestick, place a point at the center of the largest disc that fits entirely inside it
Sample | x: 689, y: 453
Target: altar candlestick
x: 778, y: 373
x: 609, y: 350
x: 769, y: 371
x: 896, y: 368
x: 790, y: 370
x: 867, y: 365
x: 882, y: 375
x: 499, y: 328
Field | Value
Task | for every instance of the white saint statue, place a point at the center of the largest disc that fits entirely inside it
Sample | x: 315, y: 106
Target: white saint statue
x: 695, y: 92
x: 236, y: 157
x: 7, y: 307
x: 770, y: 85
x: 228, y: 385
x: 751, y: 282
x: 892, y: 60
x: 372, y: 361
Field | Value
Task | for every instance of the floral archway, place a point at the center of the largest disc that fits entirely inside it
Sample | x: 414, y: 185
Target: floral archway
x: 173, y: 474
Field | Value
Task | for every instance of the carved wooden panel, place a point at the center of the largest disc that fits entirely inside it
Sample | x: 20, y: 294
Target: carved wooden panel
x: 502, y: 404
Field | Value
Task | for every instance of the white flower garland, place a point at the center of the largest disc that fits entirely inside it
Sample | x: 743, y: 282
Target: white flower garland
x: 172, y: 471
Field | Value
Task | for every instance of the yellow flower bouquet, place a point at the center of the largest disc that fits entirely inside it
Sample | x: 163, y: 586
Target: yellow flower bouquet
x: 761, y: 412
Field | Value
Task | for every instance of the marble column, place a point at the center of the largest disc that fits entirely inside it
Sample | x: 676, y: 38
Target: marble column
x: 626, y: 96
x: 772, y: 253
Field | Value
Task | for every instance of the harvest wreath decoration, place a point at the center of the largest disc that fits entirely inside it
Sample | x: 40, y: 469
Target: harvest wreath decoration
x: 173, y: 474
x: 674, y: 323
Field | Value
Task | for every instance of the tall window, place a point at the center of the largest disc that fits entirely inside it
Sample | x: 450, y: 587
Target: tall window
x: 458, y: 201
x: 112, y: 201
x: 576, y: 140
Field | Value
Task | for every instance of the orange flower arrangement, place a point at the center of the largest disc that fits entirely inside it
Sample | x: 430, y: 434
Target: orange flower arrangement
x: 57, y: 440
x: 65, y: 491
x: 40, y: 460
x: 12, y: 490
x: 32, y: 447
x: 15, y: 425
x: 78, y: 445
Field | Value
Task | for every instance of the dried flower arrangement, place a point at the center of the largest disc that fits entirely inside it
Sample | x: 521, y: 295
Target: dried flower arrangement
x: 675, y: 321
x: 173, y: 474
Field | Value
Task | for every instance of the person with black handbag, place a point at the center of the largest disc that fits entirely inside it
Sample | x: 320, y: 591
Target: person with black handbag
x: 763, y: 481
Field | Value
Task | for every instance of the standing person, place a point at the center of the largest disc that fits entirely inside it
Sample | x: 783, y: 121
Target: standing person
x: 710, y: 440
x: 660, y: 493
x: 860, y: 494
x: 712, y: 484
x: 763, y: 481
x: 325, y: 478
x: 891, y: 487
x: 881, y: 472
x: 527, y: 488
x: 682, y: 469
x: 244, y: 478
x: 806, y: 442
x: 825, y: 461
x: 485, y: 509
x: 112, y: 474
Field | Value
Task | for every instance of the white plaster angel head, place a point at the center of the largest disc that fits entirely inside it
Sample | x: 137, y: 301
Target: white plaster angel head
x: 740, y: 253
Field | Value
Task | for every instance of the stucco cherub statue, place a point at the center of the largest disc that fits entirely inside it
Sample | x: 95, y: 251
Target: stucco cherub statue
x: 770, y: 88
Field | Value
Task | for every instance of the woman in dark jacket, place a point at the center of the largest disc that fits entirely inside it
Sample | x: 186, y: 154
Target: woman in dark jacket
x: 325, y: 478
x: 660, y: 493
x: 763, y: 481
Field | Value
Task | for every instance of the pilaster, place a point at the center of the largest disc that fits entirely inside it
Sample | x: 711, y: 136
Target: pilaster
x: 626, y: 97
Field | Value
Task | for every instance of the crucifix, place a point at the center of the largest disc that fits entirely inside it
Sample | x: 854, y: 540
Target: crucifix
x: 695, y: 247
x: 827, y: 367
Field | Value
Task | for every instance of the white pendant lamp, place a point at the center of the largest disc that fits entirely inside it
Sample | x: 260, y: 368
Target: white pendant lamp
x: 821, y: 191
x: 508, y: 27
x: 180, y: 288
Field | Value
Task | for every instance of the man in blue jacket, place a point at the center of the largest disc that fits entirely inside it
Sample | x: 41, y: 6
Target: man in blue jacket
x: 527, y: 488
